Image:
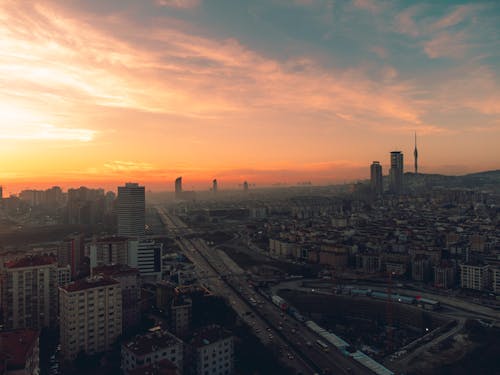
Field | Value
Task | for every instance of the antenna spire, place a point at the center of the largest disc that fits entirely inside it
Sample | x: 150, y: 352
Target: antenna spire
x: 415, y: 154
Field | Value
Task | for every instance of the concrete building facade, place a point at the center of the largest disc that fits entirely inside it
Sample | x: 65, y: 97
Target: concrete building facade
x: 90, y: 316
x: 29, y: 292
x: 131, y: 210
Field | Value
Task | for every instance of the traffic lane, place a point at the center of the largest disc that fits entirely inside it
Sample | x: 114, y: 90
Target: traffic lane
x: 333, y: 360
x: 299, y: 365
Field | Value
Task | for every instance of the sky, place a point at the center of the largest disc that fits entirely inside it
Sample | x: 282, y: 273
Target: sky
x: 98, y: 93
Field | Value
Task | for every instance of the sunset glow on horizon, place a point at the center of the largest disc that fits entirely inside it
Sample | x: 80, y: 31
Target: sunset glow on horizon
x: 97, y: 93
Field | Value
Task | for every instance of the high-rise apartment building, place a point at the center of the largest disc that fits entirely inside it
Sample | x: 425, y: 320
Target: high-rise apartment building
x: 212, y: 351
x: 71, y: 252
x: 29, y: 292
x: 444, y: 275
x: 110, y: 250
x: 474, y: 276
x: 178, y: 187
x: 214, y: 185
x: 90, y: 316
x: 376, y: 178
x: 131, y: 210
x: 396, y: 172
x: 180, y: 316
x: 130, y: 285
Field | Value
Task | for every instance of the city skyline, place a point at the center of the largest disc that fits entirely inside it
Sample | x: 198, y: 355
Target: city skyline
x: 239, y: 93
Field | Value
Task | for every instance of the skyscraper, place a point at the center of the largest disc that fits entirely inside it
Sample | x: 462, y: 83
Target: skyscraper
x: 214, y: 185
x: 178, y: 187
x: 245, y: 186
x: 376, y: 178
x: 396, y: 172
x: 131, y: 210
x: 415, y: 154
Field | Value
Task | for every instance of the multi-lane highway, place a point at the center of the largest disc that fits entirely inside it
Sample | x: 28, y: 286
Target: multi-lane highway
x: 295, y: 342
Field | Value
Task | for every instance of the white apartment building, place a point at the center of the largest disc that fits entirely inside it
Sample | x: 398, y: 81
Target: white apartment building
x: 147, y: 259
x: 474, y: 276
x: 90, y: 316
x: 496, y: 279
x: 29, y: 292
x: 213, y: 350
x: 151, y: 348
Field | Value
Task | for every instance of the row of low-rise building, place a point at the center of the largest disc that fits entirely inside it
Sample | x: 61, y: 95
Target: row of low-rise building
x: 424, y: 238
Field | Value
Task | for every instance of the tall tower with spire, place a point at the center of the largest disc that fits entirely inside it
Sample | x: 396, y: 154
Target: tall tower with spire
x: 415, y: 154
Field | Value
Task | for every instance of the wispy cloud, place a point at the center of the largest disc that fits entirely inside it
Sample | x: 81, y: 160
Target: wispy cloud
x: 456, y: 16
x: 446, y: 45
x: 185, y: 4
x: 128, y: 166
x: 181, y: 74
x: 369, y: 5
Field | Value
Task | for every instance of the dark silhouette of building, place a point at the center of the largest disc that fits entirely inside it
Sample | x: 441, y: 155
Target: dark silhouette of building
x: 131, y: 210
x: 178, y: 187
x: 415, y: 154
x: 376, y: 178
x: 396, y: 172
x: 214, y: 185
x: 245, y: 186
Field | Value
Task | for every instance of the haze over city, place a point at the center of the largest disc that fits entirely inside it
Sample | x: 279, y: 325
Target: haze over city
x: 97, y: 93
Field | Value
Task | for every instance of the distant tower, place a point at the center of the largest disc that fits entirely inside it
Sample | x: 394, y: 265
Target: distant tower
x: 178, y: 187
x: 376, y: 178
x: 396, y: 172
x: 214, y: 185
x: 415, y: 154
x: 245, y: 186
x: 131, y: 210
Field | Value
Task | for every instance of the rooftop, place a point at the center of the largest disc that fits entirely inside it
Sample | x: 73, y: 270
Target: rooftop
x: 31, y: 261
x: 151, y: 342
x: 112, y: 239
x: 17, y: 345
x: 163, y: 367
x: 89, y: 283
x: 114, y: 270
x: 209, y: 335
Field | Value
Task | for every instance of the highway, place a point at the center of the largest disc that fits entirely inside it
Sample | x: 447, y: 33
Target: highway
x: 294, y: 341
x: 219, y: 285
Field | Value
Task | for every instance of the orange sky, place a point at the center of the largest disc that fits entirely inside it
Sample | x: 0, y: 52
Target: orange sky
x: 97, y: 94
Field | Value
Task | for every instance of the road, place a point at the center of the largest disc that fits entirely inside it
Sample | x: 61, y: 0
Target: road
x: 295, y: 342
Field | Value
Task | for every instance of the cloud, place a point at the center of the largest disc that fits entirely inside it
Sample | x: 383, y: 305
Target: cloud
x: 184, y: 4
x: 446, y: 45
x: 168, y: 70
x: 369, y: 5
x: 380, y: 51
x: 405, y: 22
x: 128, y: 166
x: 44, y: 132
x: 455, y: 17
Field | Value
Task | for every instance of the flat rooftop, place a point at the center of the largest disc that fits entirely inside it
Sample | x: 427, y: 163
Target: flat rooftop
x: 150, y: 342
x: 31, y: 261
x: 89, y: 283
x: 208, y: 335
